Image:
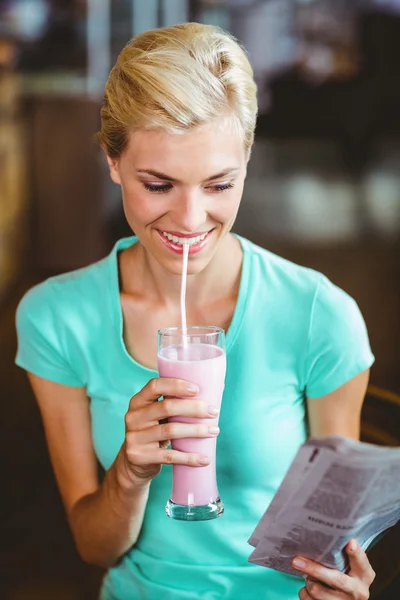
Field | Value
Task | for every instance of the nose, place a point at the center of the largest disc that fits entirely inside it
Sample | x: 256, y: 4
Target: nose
x: 190, y: 212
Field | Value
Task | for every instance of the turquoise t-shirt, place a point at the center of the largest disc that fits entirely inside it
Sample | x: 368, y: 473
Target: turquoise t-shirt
x: 293, y: 334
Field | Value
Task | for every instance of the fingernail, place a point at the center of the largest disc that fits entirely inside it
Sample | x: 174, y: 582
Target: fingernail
x: 213, y: 410
x: 192, y: 388
x: 213, y: 430
x: 353, y: 546
x: 204, y: 461
x: 299, y: 563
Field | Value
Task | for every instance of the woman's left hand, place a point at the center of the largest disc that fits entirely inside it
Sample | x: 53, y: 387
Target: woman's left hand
x: 328, y: 584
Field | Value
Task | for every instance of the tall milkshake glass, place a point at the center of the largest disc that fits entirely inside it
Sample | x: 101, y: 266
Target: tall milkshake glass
x: 198, y: 356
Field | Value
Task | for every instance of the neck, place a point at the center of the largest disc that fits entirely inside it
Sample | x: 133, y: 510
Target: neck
x: 164, y: 289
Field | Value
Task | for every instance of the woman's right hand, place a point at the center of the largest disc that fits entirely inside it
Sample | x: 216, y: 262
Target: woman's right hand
x: 145, y: 448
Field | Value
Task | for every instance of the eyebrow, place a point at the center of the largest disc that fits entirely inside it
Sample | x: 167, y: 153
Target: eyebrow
x: 224, y: 173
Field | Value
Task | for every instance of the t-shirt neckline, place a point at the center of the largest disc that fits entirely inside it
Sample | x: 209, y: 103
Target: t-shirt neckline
x: 116, y: 308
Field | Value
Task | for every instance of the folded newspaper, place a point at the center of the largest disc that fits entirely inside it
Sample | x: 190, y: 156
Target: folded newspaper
x: 336, y: 489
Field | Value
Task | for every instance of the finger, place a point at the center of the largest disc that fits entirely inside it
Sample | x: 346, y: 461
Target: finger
x: 160, y: 456
x: 171, y: 407
x: 360, y: 567
x: 171, y: 431
x: 318, y: 591
x: 162, y: 386
x: 331, y: 577
x: 304, y: 595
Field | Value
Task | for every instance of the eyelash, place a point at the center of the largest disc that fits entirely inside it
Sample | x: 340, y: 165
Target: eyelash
x: 163, y: 189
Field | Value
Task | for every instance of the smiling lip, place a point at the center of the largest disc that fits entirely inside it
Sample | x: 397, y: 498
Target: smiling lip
x: 178, y: 248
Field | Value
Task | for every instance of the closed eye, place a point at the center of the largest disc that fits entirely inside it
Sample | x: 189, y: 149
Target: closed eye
x: 220, y: 187
x: 157, y: 188
x: 162, y: 188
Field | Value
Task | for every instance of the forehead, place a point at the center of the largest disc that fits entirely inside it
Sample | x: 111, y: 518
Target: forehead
x: 204, y: 150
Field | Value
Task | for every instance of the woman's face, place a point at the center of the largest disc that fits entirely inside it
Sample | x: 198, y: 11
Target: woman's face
x: 177, y: 187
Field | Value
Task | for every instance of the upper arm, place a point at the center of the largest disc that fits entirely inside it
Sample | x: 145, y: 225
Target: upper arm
x: 339, y: 412
x: 66, y: 418
x: 337, y: 364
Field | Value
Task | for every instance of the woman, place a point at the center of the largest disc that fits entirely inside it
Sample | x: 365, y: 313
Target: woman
x: 177, y: 128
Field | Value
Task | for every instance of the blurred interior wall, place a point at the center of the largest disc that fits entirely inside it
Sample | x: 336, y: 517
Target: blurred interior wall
x: 13, y: 189
x: 66, y: 182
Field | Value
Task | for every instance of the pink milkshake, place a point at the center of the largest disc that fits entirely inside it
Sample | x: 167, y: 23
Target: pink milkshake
x: 197, y: 355
x: 201, y: 360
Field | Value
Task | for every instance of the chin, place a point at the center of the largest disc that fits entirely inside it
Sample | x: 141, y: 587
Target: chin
x: 174, y: 266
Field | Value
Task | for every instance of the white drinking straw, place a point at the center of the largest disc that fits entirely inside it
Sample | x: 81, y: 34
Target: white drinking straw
x: 183, y: 292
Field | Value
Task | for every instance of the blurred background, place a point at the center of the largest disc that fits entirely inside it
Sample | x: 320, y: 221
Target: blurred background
x: 323, y: 190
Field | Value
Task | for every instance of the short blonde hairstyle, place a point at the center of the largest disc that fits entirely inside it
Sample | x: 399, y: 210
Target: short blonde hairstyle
x: 177, y: 78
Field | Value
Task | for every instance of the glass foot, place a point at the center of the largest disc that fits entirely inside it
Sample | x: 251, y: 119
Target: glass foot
x: 194, y: 513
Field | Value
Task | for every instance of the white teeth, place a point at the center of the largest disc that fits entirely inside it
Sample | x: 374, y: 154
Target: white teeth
x: 181, y: 241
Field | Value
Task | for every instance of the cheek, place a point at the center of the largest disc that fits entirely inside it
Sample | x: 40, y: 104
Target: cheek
x: 229, y: 208
x: 139, y: 209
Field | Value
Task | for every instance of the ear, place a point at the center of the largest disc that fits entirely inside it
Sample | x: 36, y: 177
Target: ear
x: 114, y: 170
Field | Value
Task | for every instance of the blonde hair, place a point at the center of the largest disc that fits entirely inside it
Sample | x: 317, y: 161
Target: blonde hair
x: 177, y: 78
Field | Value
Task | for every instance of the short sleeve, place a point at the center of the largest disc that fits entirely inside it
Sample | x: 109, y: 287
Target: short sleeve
x: 338, y: 344
x: 41, y: 338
